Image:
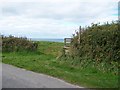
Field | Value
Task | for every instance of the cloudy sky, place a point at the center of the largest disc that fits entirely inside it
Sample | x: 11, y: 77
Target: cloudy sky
x: 53, y: 18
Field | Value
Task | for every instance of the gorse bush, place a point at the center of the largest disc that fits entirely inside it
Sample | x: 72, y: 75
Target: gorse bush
x: 99, y: 45
x: 15, y: 44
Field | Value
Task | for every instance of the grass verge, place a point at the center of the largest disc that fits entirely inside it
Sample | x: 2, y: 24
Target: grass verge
x: 44, y: 61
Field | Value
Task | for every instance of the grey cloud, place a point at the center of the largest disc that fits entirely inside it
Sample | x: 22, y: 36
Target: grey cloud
x: 39, y: 18
x: 9, y: 11
x: 70, y: 12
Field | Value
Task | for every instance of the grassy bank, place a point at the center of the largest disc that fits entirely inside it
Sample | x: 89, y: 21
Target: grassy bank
x: 44, y: 61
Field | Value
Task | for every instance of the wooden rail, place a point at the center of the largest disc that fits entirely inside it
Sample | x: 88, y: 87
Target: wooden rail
x: 67, y: 43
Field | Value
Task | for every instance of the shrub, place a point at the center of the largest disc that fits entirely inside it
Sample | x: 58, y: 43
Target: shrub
x: 15, y: 44
x: 99, y: 43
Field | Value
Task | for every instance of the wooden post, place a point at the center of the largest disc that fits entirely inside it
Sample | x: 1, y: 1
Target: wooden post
x: 65, y: 42
x: 79, y: 35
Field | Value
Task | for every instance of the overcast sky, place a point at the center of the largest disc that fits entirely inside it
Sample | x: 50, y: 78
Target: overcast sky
x: 53, y: 18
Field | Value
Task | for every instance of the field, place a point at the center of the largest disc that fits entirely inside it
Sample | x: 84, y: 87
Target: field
x: 44, y: 61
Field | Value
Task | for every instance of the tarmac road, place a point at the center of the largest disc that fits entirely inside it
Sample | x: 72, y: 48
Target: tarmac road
x: 13, y: 77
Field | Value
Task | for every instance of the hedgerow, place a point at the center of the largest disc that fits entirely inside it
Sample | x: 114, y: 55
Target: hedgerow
x: 99, y: 47
x: 17, y: 44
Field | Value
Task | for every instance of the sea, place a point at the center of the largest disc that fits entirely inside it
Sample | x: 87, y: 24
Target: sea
x: 44, y: 39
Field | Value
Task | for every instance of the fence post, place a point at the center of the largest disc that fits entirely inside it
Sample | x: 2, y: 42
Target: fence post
x: 79, y: 37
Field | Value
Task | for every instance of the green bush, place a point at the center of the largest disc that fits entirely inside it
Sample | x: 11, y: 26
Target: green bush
x: 15, y: 44
x: 100, y: 44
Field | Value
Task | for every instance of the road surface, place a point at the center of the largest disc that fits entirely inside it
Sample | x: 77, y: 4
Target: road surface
x: 0, y: 75
x: 13, y: 77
